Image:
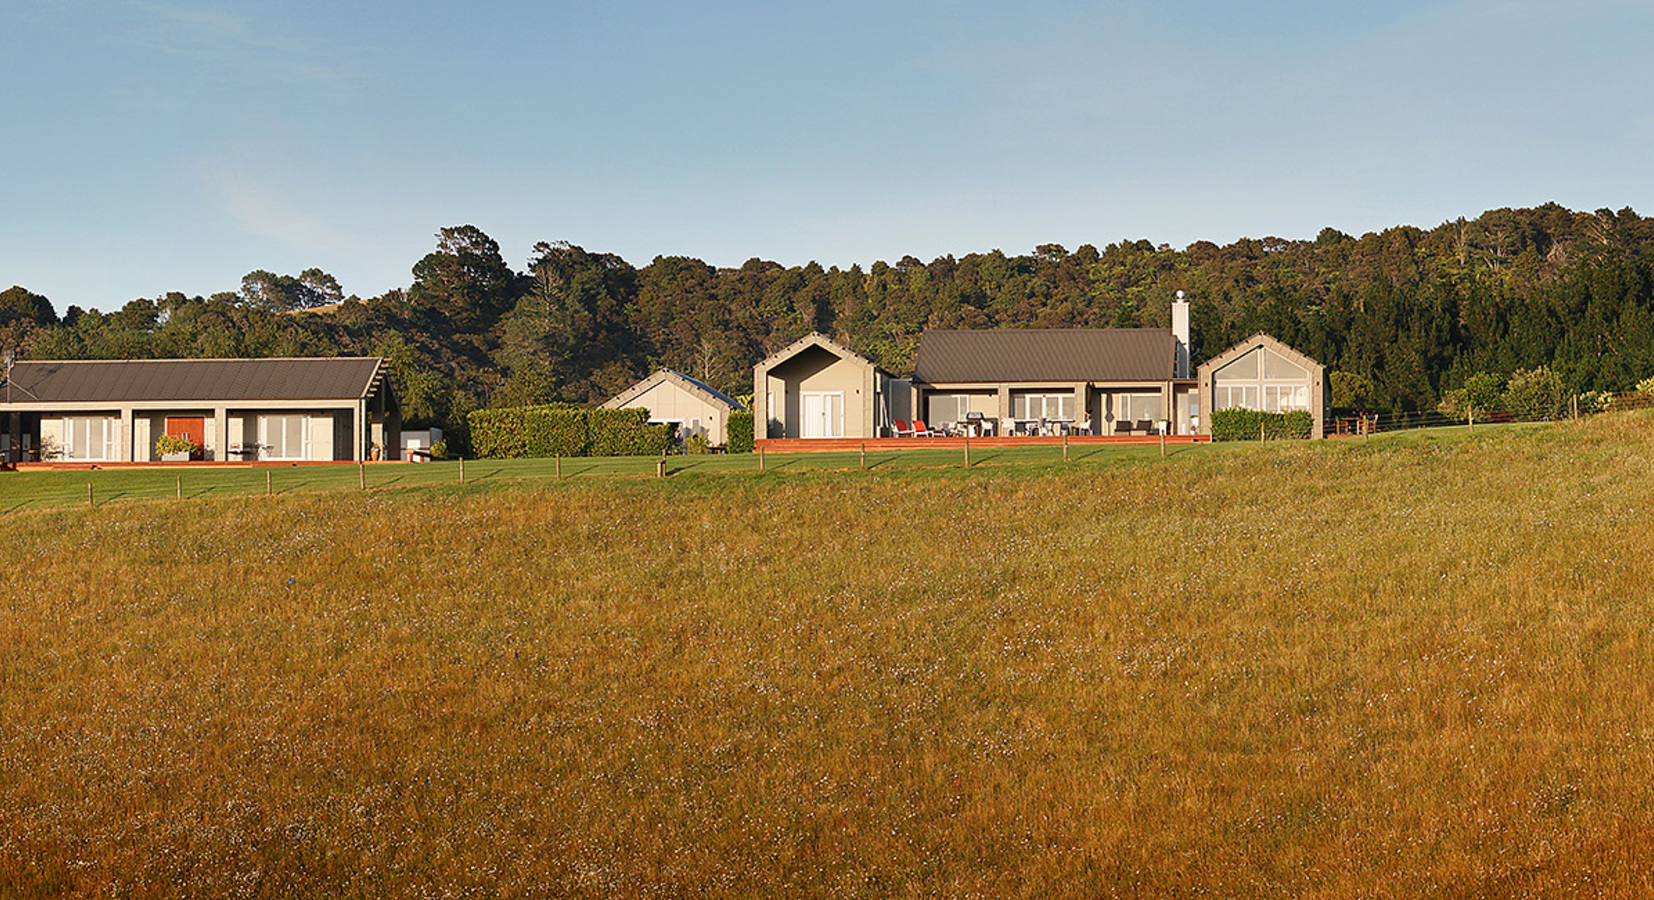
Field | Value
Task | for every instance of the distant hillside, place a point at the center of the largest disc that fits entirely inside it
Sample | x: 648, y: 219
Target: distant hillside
x: 1408, y: 313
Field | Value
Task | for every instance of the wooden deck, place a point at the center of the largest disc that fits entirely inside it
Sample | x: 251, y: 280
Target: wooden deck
x: 819, y: 445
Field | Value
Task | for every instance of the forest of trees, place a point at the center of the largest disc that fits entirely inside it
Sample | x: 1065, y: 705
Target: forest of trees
x: 1410, y: 313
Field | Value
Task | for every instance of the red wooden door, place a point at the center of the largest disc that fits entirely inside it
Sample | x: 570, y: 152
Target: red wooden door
x: 194, y: 429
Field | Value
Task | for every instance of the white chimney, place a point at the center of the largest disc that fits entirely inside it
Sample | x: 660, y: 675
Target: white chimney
x: 1180, y: 333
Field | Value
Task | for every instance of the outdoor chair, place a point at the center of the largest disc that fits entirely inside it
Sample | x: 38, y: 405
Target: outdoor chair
x: 1144, y: 426
x: 919, y: 429
x: 1121, y: 426
x: 903, y: 429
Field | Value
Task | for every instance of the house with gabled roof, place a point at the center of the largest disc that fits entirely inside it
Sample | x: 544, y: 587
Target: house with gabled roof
x: 1053, y: 380
x: 697, y: 408
x: 294, y: 409
x: 1263, y: 373
x: 816, y: 387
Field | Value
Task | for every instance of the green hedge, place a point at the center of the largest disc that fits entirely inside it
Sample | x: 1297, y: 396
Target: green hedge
x: 740, y: 432
x: 627, y: 432
x: 1237, y: 424
x: 563, y: 430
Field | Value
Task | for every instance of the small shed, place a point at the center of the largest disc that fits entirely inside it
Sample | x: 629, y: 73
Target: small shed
x: 694, y: 406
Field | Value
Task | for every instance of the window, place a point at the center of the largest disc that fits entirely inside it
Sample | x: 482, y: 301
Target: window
x: 89, y: 437
x: 285, y: 437
x: 1137, y: 407
x: 1263, y: 380
x: 946, y: 409
x: 1042, y: 406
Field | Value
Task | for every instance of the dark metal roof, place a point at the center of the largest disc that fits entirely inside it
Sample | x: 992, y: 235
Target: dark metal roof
x: 194, y: 380
x: 1004, y: 355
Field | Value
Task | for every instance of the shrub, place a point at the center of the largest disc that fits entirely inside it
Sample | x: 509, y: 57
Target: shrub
x: 1481, y: 394
x: 172, y: 443
x: 697, y: 445
x: 1236, y: 424
x: 529, y: 431
x: 627, y: 432
x: 1592, y: 402
x: 1347, y: 390
x: 1537, y: 395
x: 740, y: 431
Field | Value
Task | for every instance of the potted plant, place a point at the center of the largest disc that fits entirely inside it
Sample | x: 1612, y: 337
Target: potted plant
x: 173, y: 448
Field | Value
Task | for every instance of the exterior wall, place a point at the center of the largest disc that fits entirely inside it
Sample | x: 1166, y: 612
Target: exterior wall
x: 51, y: 435
x: 321, y: 437
x: 1279, y: 368
x: 669, y: 402
x: 817, y: 371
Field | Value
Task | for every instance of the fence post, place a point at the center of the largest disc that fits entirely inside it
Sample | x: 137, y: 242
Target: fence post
x: 660, y: 466
x: 1472, y: 414
x: 269, y: 483
x: 559, y: 467
x: 90, y: 503
x: 462, y: 470
x: 362, y: 475
x: 1162, y: 443
x: 967, y: 453
x: 1260, y: 433
x: 864, y: 454
x: 760, y: 459
x: 180, y: 487
x: 1065, y: 446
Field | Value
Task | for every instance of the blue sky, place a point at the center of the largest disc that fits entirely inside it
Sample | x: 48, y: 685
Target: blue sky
x: 160, y: 145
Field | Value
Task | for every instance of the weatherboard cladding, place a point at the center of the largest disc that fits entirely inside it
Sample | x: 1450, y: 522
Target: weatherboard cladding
x: 196, y: 380
x: 1009, y: 355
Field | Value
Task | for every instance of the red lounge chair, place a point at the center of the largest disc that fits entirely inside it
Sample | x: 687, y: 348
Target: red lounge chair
x: 919, y: 429
x: 903, y: 429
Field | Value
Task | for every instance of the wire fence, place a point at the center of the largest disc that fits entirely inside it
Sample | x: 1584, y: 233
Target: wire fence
x: 1361, y: 423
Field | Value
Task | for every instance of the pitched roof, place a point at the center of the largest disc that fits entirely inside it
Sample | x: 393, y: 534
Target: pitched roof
x: 195, y: 380
x: 1260, y: 339
x: 706, y: 391
x: 813, y: 339
x: 1045, y: 354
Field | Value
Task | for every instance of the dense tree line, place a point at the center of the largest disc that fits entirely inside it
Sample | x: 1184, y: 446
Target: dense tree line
x: 1407, y: 314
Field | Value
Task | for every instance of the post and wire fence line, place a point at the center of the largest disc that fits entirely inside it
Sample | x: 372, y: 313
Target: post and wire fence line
x: 1555, y: 406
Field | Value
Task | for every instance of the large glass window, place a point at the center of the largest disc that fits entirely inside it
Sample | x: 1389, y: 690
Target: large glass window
x: 1261, y: 379
x: 942, y: 410
x: 1050, y: 407
x: 285, y: 437
x: 1137, y: 407
x: 89, y: 437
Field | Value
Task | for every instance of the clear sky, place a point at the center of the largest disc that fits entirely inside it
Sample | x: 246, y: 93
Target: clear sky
x: 159, y: 145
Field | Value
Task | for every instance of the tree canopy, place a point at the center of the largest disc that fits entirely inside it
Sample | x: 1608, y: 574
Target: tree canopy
x: 1401, y: 316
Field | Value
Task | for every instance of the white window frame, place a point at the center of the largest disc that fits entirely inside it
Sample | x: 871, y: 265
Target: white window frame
x: 267, y: 447
x: 77, y: 442
x: 833, y: 401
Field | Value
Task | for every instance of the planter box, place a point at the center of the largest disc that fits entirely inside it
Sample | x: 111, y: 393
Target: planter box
x: 175, y: 457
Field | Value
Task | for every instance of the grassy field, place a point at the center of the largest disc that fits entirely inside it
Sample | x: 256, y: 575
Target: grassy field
x: 1413, y: 666
x: 58, y: 489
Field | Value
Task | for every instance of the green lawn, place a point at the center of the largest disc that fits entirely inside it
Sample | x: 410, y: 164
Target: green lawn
x: 41, y: 490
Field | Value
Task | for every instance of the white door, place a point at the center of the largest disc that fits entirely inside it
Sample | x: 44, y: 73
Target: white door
x: 823, y: 415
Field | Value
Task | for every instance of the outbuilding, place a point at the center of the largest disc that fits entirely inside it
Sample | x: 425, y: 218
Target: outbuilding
x: 696, y: 407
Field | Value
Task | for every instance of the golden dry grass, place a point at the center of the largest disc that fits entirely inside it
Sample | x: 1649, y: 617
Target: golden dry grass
x: 1375, y: 669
